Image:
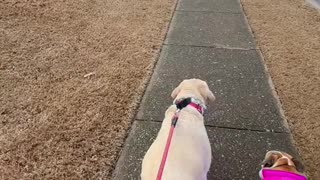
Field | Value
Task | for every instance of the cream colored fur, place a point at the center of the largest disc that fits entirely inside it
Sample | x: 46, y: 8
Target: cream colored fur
x: 189, y: 155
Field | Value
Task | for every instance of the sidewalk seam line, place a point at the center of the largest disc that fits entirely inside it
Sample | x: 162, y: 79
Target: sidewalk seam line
x: 213, y: 47
x: 245, y: 129
x: 223, y: 127
x: 205, y: 11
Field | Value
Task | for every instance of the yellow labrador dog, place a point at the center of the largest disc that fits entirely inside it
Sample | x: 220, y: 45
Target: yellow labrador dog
x: 189, y: 156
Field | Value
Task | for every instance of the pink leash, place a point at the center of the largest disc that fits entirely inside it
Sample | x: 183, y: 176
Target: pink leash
x: 166, y: 150
x: 180, y: 105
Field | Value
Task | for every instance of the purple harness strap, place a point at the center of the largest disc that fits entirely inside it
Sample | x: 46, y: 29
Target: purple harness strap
x: 269, y: 174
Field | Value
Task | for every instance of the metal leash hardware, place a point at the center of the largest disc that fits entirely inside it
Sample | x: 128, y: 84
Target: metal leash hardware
x: 175, y: 118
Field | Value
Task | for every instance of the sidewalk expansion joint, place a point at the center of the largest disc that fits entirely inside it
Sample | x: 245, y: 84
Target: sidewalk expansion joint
x: 226, y: 127
x: 218, y: 12
x: 156, y: 121
x: 247, y: 129
x: 213, y: 47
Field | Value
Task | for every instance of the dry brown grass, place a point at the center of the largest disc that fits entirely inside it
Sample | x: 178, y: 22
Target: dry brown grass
x: 288, y: 33
x: 57, y: 123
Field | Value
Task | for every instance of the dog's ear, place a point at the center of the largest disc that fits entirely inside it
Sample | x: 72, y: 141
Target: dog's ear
x: 206, y: 93
x: 298, y: 164
x: 210, y: 96
x: 267, y: 162
x: 175, y: 92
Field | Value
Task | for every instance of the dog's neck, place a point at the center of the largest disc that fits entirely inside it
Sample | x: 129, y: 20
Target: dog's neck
x: 191, y: 94
x: 190, y: 101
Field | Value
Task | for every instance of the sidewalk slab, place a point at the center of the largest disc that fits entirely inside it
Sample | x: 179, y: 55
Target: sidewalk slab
x: 210, y: 29
x: 243, y: 96
x: 236, y: 154
x: 141, y: 136
x: 230, y: 6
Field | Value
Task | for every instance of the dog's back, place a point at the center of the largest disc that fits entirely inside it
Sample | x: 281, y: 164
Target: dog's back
x: 189, y: 155
x: 190, y: 152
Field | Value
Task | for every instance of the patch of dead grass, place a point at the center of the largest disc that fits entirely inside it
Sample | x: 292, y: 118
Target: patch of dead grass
x: 56, y: 122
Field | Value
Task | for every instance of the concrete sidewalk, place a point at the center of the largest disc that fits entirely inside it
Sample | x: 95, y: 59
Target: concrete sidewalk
x: 211, y: 40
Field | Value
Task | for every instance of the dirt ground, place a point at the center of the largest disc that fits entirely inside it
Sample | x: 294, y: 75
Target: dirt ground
x: 288, y: 32
x: 70, y: 74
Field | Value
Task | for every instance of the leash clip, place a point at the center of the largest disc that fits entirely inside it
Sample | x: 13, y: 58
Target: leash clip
x: 175, y: 118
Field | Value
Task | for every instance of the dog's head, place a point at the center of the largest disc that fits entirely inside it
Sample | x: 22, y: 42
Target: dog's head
x: 193, y: 88
x: 278, y: 160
